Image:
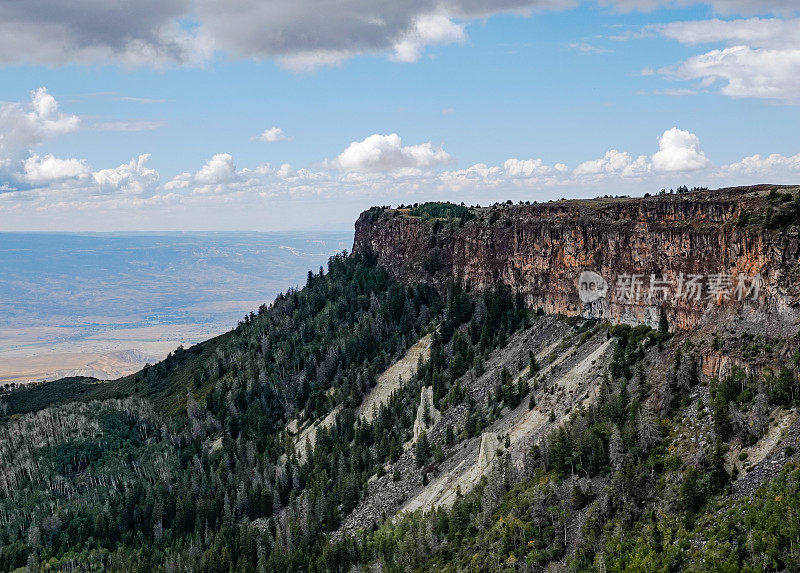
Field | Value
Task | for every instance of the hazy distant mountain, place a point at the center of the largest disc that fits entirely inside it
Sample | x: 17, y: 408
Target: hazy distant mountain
x: 104, y: 304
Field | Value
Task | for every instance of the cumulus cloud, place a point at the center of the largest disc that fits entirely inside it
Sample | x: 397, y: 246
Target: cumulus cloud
x: 769, y: 165
x: 218, y: 170
x: 220, y: 192
x: 679, y: 150
x: 180, y: 181
x: 531, y: 167
x: 133, y: 178
x: 614, y: 162
x: 40, y: 170
x: 272, y: 135
x: 24, y: 126
x: 512, y: 173
x: 215, y: 174
x: 387, y: 153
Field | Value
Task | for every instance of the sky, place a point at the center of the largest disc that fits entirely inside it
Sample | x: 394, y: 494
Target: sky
x: 275, y: 115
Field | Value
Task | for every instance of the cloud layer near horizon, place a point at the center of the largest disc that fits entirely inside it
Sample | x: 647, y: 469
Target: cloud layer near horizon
x: 378, y: 168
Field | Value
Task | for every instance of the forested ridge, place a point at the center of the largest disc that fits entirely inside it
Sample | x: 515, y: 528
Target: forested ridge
x: 191, y: 464
x: 121, y: 476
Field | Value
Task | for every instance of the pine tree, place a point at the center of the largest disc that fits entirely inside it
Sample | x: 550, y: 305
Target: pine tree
x: 449, y: 438
x: 422, y: 449
x: 647, y: 432
x: 522, y: 388
x: 663, y: 325
x: 533, y: 365
x: 616, y: 452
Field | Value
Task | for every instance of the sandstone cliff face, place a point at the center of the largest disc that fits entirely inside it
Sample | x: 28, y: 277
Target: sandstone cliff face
x: 541, y: 251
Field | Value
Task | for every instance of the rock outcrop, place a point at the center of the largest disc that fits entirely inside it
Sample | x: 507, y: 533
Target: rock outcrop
x: 487, y: 453
x: 629, y: 260
x: 427, y: 414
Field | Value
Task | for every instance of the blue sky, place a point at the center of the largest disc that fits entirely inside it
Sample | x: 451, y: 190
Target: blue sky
x: 146, y: 118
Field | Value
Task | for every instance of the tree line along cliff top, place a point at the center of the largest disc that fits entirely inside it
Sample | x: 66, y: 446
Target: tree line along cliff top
x: 768, y: 206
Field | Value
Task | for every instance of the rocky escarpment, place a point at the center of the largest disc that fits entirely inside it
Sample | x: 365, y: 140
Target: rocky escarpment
x: 629, y: 260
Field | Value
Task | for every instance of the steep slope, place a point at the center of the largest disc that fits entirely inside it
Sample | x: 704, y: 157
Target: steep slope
x: 386, y: 384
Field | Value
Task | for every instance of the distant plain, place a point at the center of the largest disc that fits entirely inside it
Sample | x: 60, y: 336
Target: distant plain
x: 105, y: 304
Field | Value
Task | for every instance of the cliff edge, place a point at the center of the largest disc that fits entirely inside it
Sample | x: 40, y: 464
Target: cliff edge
x: 630, y: 260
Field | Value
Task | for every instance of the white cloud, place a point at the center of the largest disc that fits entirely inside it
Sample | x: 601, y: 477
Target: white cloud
x: 754, y: 32
x: 218, y: 170
x: 378, y: 169
x: 614, y: 162
x: 513, y: 173
x: 39, y: 170
x: 428, y: 30
x: 180, y: 181
x: 24, y: 126
x: 217, y: 173
x: 746, y: 72
x: 479, y: 175
x: 761, y: 58
x: 272, y: 135
x: 679, y: 150
x: 530, y: 168
x: 769, y: 165
x: 132, y: 178
x: 387, y: 153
